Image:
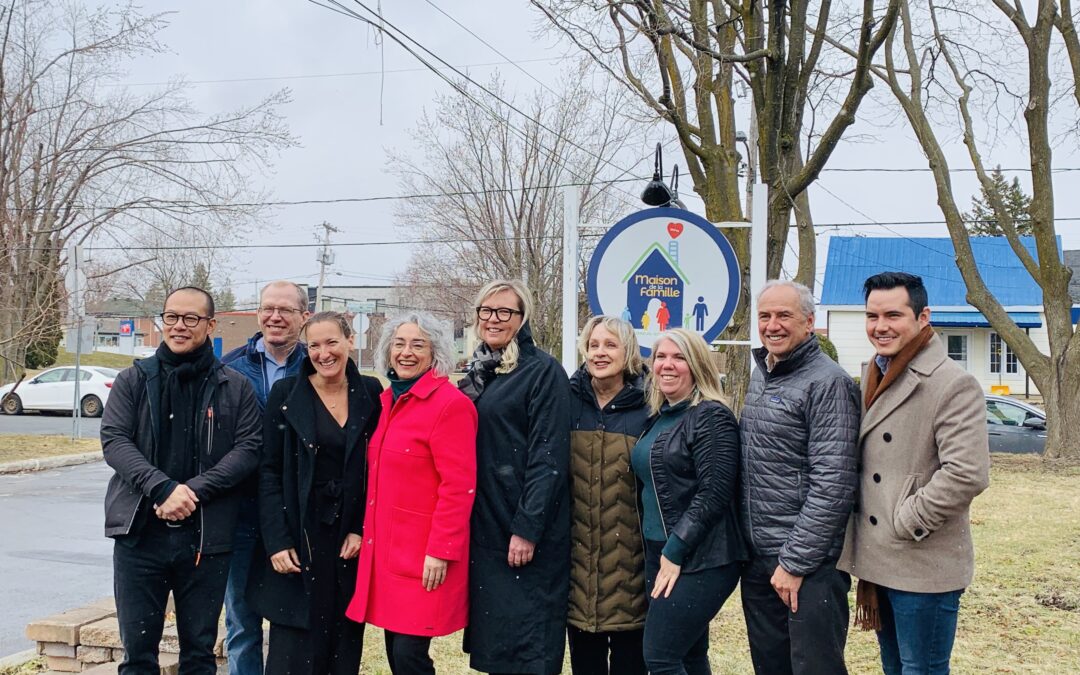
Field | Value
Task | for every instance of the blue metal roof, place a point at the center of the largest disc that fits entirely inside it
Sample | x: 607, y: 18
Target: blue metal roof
x: 852, y: 259
x: 977, y: 320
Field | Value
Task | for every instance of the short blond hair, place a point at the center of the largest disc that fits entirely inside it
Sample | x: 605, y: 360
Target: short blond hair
x: 525, y: 305
x: 698, y: 357
x: 622, y: 330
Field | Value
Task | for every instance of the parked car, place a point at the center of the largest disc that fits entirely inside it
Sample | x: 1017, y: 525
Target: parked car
x: 1014, y: 426
x: 54, y: 389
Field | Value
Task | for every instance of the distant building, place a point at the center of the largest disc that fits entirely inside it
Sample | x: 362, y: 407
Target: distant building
x: 1072, y: 259
x: 968, y: 336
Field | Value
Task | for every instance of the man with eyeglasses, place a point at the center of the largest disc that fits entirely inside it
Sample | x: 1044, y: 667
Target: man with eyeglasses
x: 181, y: 432
x: 273, y: 353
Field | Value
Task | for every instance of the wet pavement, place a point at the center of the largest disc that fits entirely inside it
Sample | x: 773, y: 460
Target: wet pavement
x: 55, y: 555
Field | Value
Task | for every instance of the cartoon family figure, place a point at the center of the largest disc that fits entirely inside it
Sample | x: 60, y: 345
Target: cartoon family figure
x: 663, y: 316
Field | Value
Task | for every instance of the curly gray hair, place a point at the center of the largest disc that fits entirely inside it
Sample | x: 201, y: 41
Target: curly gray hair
x: 438, y: 332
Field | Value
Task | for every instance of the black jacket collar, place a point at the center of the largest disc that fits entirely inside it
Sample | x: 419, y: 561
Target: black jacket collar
x: 299, y: 407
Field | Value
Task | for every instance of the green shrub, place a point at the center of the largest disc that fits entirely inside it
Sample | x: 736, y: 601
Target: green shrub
x: 827, y: 346
x: 41, y: 353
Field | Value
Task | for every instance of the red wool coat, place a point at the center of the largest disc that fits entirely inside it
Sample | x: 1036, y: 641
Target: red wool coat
x: 421, y: 485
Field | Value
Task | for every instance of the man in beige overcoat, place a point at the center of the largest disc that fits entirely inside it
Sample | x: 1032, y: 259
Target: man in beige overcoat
x: 924, y: 457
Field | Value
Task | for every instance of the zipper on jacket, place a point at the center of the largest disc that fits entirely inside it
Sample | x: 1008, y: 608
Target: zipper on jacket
x: 210, y: 431
x: 659, y: 509
x: 307, y: 542
x: 209, y: 449
x: 746, y: 474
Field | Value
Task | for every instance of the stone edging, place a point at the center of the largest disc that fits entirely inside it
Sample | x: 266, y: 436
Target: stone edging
x: 41, y: 464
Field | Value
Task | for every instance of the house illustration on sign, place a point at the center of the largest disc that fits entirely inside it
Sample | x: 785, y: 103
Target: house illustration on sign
x: 654, y: 286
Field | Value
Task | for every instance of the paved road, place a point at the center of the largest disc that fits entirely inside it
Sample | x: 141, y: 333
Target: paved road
x: 48, y: 424
x: 54, y: 554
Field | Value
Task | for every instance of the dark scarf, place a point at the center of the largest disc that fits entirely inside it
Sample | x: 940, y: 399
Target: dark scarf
x: 481, y: 370
x: 877, y: 382
x: 185, y: 376
x: 867, y: 606
x: 399, y: 386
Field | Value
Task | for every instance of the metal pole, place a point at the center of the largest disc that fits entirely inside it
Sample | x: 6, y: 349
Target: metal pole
x: 571, y: 216
x: 751, y: 161
x: 759, y: 233
x: 76, y: 305
x: 323, y: 260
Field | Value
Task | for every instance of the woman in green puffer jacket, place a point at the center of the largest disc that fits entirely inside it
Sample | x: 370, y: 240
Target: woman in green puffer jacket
x: 606, y: 617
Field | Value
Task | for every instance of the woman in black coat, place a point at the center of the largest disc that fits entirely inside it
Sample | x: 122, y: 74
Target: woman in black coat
x: 687, y: 463
x: 311, y: 505
x: 519, y: 551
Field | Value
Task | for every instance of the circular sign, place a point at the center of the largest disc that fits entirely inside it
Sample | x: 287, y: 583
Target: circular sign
x: 665, y: 268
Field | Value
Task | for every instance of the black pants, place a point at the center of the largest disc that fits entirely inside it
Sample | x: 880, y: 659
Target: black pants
x: 408, y: 654
x: 334, y: 644
x: 158, y: 560
x: 808, y: 642
x: 328, y: 650
x: 676, y: 638
x: 614, y: 653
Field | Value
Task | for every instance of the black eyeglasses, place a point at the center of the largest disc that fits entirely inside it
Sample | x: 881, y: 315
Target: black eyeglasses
x: 190, y: 320
x: 502, y: 313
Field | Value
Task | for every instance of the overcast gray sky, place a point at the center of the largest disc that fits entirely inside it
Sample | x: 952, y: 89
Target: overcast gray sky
x: 241, y: 50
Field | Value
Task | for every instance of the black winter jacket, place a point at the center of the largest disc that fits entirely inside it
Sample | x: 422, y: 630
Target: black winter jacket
x: 517, y: 616
x: 800, y: 437
x: 695, y: 472
x: 286, y: 478
x: 231, y: 434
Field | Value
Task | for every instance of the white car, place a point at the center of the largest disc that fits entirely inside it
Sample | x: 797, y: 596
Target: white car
x: 54, y: 389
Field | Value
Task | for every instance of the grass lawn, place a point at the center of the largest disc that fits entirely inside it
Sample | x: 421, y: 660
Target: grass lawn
x: 14, y: 447
x: 1021, y: 615
x: 106, y: 359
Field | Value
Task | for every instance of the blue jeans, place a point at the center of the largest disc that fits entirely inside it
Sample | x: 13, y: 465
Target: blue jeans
x: 676, y: 640
x: 917, y: 631
x: 243, y: 627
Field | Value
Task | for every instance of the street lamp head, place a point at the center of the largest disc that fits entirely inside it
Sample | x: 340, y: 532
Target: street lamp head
x: 740, y: 136
x: 657, y: 193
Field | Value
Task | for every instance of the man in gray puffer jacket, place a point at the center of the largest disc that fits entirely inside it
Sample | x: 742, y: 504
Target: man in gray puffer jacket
x: 800, y: 432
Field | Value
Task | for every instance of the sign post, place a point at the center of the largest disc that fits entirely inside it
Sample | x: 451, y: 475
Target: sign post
x: 571, y: 216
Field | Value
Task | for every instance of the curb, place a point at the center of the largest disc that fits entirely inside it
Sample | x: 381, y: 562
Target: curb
x: 28, y: 465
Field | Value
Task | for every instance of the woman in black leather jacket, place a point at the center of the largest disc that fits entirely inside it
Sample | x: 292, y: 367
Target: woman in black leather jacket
x: 687, y: 463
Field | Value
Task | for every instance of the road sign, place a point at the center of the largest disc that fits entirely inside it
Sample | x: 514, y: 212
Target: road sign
x: 665, y: 268
x: 127, y: 327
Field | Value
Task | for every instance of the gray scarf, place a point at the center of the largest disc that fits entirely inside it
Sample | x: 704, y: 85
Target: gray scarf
x: 481, y: 370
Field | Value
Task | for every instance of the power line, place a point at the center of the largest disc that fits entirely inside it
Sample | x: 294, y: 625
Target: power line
x: 318, y: 76
x: 407, y: 242
x: 400, y: 38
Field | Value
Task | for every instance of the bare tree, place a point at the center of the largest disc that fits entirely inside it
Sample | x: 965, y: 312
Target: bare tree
x: 682, y: 58
x: 960, y: 68
x: 80, y: 155
x: 497, y: 213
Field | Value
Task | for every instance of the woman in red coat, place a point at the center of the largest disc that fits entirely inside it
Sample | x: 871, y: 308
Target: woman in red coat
x: 412, y: 579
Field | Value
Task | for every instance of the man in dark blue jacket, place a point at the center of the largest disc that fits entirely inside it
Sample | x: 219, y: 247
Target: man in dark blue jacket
x: 275, y: 352
x: 181, y: 431
x: 800, y: 432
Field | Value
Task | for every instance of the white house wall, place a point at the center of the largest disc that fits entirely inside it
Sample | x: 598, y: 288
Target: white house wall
x: 847, y: 330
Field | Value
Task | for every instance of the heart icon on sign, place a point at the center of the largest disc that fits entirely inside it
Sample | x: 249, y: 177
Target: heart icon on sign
x: 674, y: 229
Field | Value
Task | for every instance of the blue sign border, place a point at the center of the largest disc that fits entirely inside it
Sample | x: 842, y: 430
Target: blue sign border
x: 734, y: 272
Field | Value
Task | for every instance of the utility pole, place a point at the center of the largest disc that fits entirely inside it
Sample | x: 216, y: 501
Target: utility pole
x: 325, y: 257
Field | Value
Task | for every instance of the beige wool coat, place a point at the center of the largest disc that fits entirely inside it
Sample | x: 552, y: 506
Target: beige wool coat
x: 924, y: 456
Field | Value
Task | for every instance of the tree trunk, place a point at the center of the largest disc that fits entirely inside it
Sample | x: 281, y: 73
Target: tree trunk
x: 1061, y: 399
